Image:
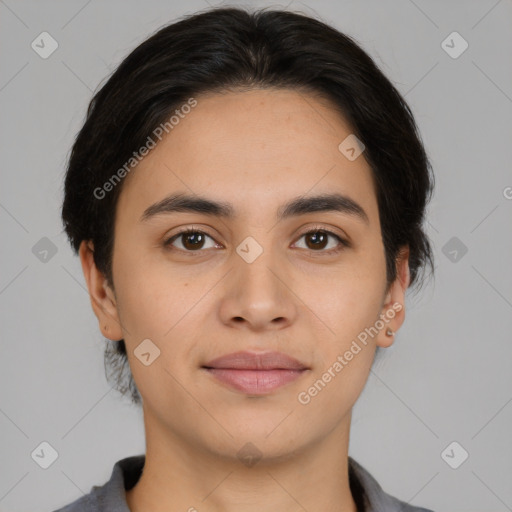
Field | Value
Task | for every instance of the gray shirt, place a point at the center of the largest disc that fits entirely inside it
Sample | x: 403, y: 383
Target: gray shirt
x: 111, y: 497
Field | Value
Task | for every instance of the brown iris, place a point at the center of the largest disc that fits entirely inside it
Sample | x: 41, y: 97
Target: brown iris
x: 319, y: 239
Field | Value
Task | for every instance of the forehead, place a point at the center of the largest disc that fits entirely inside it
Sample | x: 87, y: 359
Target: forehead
x: 253, y: 149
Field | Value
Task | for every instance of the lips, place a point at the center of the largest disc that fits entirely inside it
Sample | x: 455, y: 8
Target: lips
x: 255, y: 373
x: 256, y: 361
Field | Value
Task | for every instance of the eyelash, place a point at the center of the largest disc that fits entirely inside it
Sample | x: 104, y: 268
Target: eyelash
x: 343, y: 244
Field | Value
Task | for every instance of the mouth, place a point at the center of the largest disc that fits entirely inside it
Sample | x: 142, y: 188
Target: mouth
x: 255, y: 373
x: 254, y: 382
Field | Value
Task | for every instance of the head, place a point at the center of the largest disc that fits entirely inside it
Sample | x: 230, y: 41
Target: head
x: 253, y: 112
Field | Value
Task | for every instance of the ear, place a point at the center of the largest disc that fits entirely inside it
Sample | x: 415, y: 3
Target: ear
x: 393, y: 308
x: 102, y: 297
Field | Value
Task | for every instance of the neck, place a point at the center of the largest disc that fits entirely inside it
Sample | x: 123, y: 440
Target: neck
x: 185, y: 476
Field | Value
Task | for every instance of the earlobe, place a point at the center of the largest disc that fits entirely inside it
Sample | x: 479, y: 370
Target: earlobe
x: 386, y: 337
x: 102, y: 298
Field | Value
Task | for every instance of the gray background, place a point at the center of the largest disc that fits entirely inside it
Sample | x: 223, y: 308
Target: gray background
x: 447, y: 377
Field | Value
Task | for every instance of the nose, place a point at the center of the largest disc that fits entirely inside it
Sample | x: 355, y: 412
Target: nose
x: 257, y: 295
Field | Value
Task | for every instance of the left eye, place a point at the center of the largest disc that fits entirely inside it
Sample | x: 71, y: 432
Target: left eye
x: 192, y: 240
x: 319, y: 239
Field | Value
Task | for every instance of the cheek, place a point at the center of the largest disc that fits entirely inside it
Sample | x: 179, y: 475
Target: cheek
x: 164, y: 310
x: 345, y: 299
x: 158, y: 307
x: 152, y: 294
x: 347, y: 306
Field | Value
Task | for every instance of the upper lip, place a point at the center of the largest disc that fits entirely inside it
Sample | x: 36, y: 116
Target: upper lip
x: 256, y: 361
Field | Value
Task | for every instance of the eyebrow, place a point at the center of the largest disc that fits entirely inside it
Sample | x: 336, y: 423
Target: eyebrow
x: 297, y: 206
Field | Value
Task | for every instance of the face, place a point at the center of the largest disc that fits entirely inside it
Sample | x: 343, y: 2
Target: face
x: 305, y: 280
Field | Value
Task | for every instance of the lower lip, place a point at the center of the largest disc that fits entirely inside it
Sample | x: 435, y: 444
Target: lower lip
x: 256, y: 382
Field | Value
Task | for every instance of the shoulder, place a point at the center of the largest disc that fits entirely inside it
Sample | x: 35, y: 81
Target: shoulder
x: 377, y: 499
x: 111, y: 496
x: 87, y: 503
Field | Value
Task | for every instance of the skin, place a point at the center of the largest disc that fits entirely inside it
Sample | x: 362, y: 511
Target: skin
x: 257, y: 150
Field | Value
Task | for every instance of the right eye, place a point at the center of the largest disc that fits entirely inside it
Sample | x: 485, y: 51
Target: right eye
x: 192, y: 240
